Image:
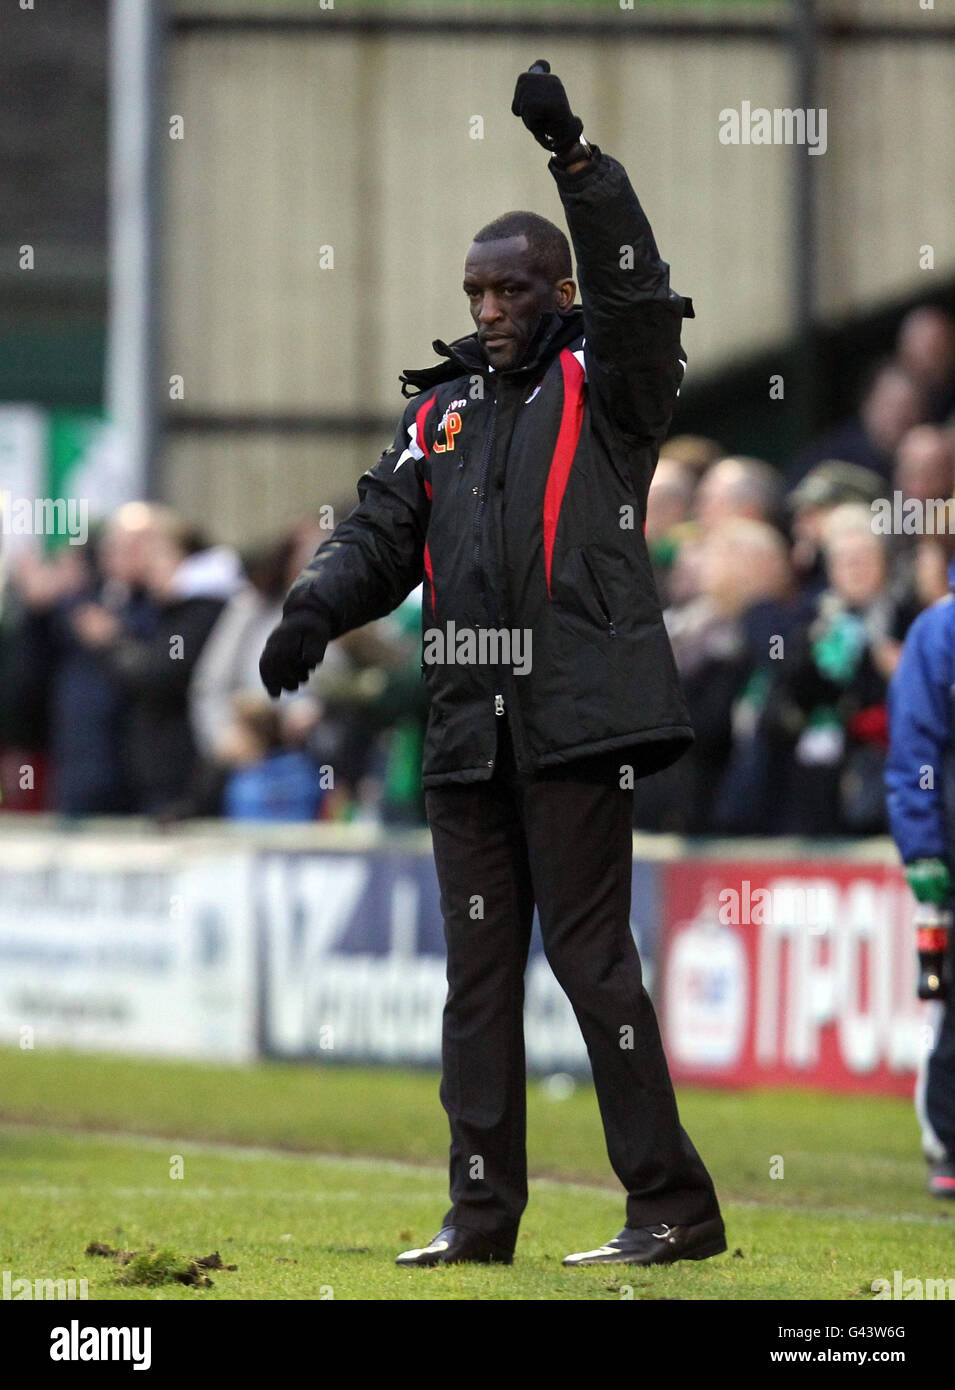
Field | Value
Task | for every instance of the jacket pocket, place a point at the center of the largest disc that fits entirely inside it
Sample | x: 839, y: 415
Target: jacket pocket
x: 582, y: 596
x: 599, y: 593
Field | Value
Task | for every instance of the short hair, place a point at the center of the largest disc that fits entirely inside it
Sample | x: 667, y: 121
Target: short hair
x: 694, y: 450
x: 757, y: 481
x: 850, y: 518
x: 547, y: 244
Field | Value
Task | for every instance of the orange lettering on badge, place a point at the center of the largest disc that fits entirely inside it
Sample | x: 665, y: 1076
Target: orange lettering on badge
x: 452, y: 427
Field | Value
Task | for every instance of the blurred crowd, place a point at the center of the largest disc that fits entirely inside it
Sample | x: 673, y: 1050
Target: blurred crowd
x: 129, y: 666
x: 787, y: 595
x: 129, y: 684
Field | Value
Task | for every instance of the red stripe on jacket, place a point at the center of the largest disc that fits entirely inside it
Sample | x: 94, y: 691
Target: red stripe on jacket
x: 571, y: 419
x: 429, y: 572
x: 419, y: 420
x: 427, y: 553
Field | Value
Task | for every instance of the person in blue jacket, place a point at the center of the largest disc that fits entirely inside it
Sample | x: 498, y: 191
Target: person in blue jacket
x: 920, y: 782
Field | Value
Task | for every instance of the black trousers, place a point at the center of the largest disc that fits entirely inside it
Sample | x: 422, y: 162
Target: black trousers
x: 563, y: 840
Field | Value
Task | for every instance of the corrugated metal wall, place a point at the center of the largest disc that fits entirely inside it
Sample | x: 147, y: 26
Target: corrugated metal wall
x: 298, y: 142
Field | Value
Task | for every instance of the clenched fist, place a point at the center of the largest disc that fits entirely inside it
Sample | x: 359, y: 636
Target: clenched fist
x: 293, y: 650
x: 541, y: 103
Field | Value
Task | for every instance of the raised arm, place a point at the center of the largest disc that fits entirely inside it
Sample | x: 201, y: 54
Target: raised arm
x: 632, y: 318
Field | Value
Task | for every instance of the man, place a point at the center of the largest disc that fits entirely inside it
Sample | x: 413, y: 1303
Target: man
x: 920, y: 780
x: 892, y: 403
x: 925, y: 347
x: 86, y: 705
x: 737, y: 487
x: 189, y: 584
x: 925, y: 464
x: 517, y: 487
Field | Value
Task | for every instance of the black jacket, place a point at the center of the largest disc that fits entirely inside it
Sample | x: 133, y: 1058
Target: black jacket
x: 519, y: 498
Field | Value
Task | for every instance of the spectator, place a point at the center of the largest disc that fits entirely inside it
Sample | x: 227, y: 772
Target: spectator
x: 694, y: 451
x: 267, y: 780
x: 735, y: 487
x: 924, y: 473
x: 719, y: 640
x: 825, y: 487
x: 189, y: 583
x: 925, y: 464
x: 925, y: 348
x: 669, y: 504
x: 84, y: 701
x: 892, y: 403
x: 35, y: 589
x: 826, y: 718
x: 738, y: 487
x: 228, y: 664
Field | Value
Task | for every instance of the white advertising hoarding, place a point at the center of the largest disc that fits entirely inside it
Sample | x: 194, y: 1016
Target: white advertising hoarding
x: 126, y: 946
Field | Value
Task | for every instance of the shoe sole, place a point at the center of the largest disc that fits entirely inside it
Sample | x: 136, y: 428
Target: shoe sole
x: 706, y: 1252
x: 431, y: 1264
x: 702, y: 1252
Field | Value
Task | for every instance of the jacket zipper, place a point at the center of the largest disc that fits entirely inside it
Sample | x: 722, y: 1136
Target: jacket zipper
x: 516, y: 723
x: 599, y: 593
x: 479, y: 515
x: 513, y: 704
x: 482, y: 498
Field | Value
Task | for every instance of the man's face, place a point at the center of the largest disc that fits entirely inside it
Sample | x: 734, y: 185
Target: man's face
x: 507, y: 294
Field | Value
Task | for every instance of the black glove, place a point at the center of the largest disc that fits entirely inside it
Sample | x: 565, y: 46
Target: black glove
x: 294, y: 649
x: 541, y: 103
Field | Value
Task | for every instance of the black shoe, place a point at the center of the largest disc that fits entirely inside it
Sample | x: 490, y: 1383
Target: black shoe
x: 657, y: 1245
x: 456, y: 1245
x: 941, y: 1180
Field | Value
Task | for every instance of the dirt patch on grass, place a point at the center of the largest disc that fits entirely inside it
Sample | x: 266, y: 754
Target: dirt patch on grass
x: 155, y: 1267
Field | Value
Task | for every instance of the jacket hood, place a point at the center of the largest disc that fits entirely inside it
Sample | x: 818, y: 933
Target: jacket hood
x: 464, y: 355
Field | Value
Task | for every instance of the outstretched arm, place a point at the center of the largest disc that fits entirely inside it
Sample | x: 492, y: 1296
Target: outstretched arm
x: 373, y: 560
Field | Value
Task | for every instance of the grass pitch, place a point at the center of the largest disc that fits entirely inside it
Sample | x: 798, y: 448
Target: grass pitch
x: 310, y: 1180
